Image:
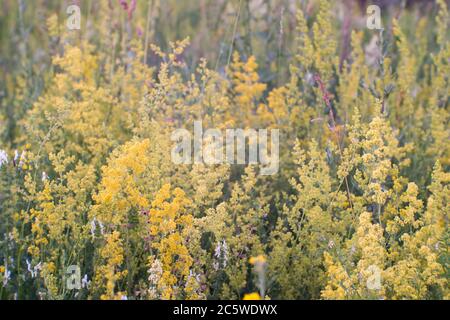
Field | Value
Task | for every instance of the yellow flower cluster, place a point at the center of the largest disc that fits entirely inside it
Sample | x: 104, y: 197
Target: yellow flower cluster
x: 358, y: 210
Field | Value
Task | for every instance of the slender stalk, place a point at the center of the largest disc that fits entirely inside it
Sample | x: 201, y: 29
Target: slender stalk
x: 230, y: 52
x: 147, y: 27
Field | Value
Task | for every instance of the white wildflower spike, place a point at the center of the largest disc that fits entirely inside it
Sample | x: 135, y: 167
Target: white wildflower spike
x: 28, y: 266
x: 155, y: 272
x: 6, y: 276
x: 221, y: 254
x: 330, y: 244
x: 217, y: 251
x: 33, y: 270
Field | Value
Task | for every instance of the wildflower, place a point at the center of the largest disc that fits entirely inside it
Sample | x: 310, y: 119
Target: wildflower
x: 16, y: 157
x: 259, y: 263
x: 373, y: 51
x: 85, y: 283
x: 309, y: 78
x: 128, y: 7
x: 217, y: 251
x: 28, y: 266
x: 3, y: 158
x: 139, y: 32
x: 193, y: 287
x: 94, y: 223
x: 330, y: 244
x: 155, y: 273
x: 44, y: 176
x: 33, y: 270
x: 37, y: 268
x: 252, y: 296
x: 109, y: 274
x: 93, y: 228
x: 193, y: 275
x: 221, y: 254
x: 257, y: 260
x: 225, y: 253
x: 22, y: 159
x: 101, y: 227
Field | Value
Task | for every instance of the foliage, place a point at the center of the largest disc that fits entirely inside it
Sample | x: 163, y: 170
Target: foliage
x: 358, y: 210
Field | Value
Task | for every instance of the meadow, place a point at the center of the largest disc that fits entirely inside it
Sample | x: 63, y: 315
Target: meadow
x: 93, y: 206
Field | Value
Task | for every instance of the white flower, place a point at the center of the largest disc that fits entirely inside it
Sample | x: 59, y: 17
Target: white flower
x: 221, y: 254
x: 33, y: 270
x: 331, y: 244
x: 37, y: 268
x: 217, y: 250
x: 309, y: 78
x: 16, y: 156
x: 3, y: 158
x: 44, y: 176
x: 85, y: 283
x: 225, y: 253
x: 94, y: 224
x: 155, y: 272
x: 22, y: 159
x: 194, y: 275
x: 93, y: 228
x: 28, y: 265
